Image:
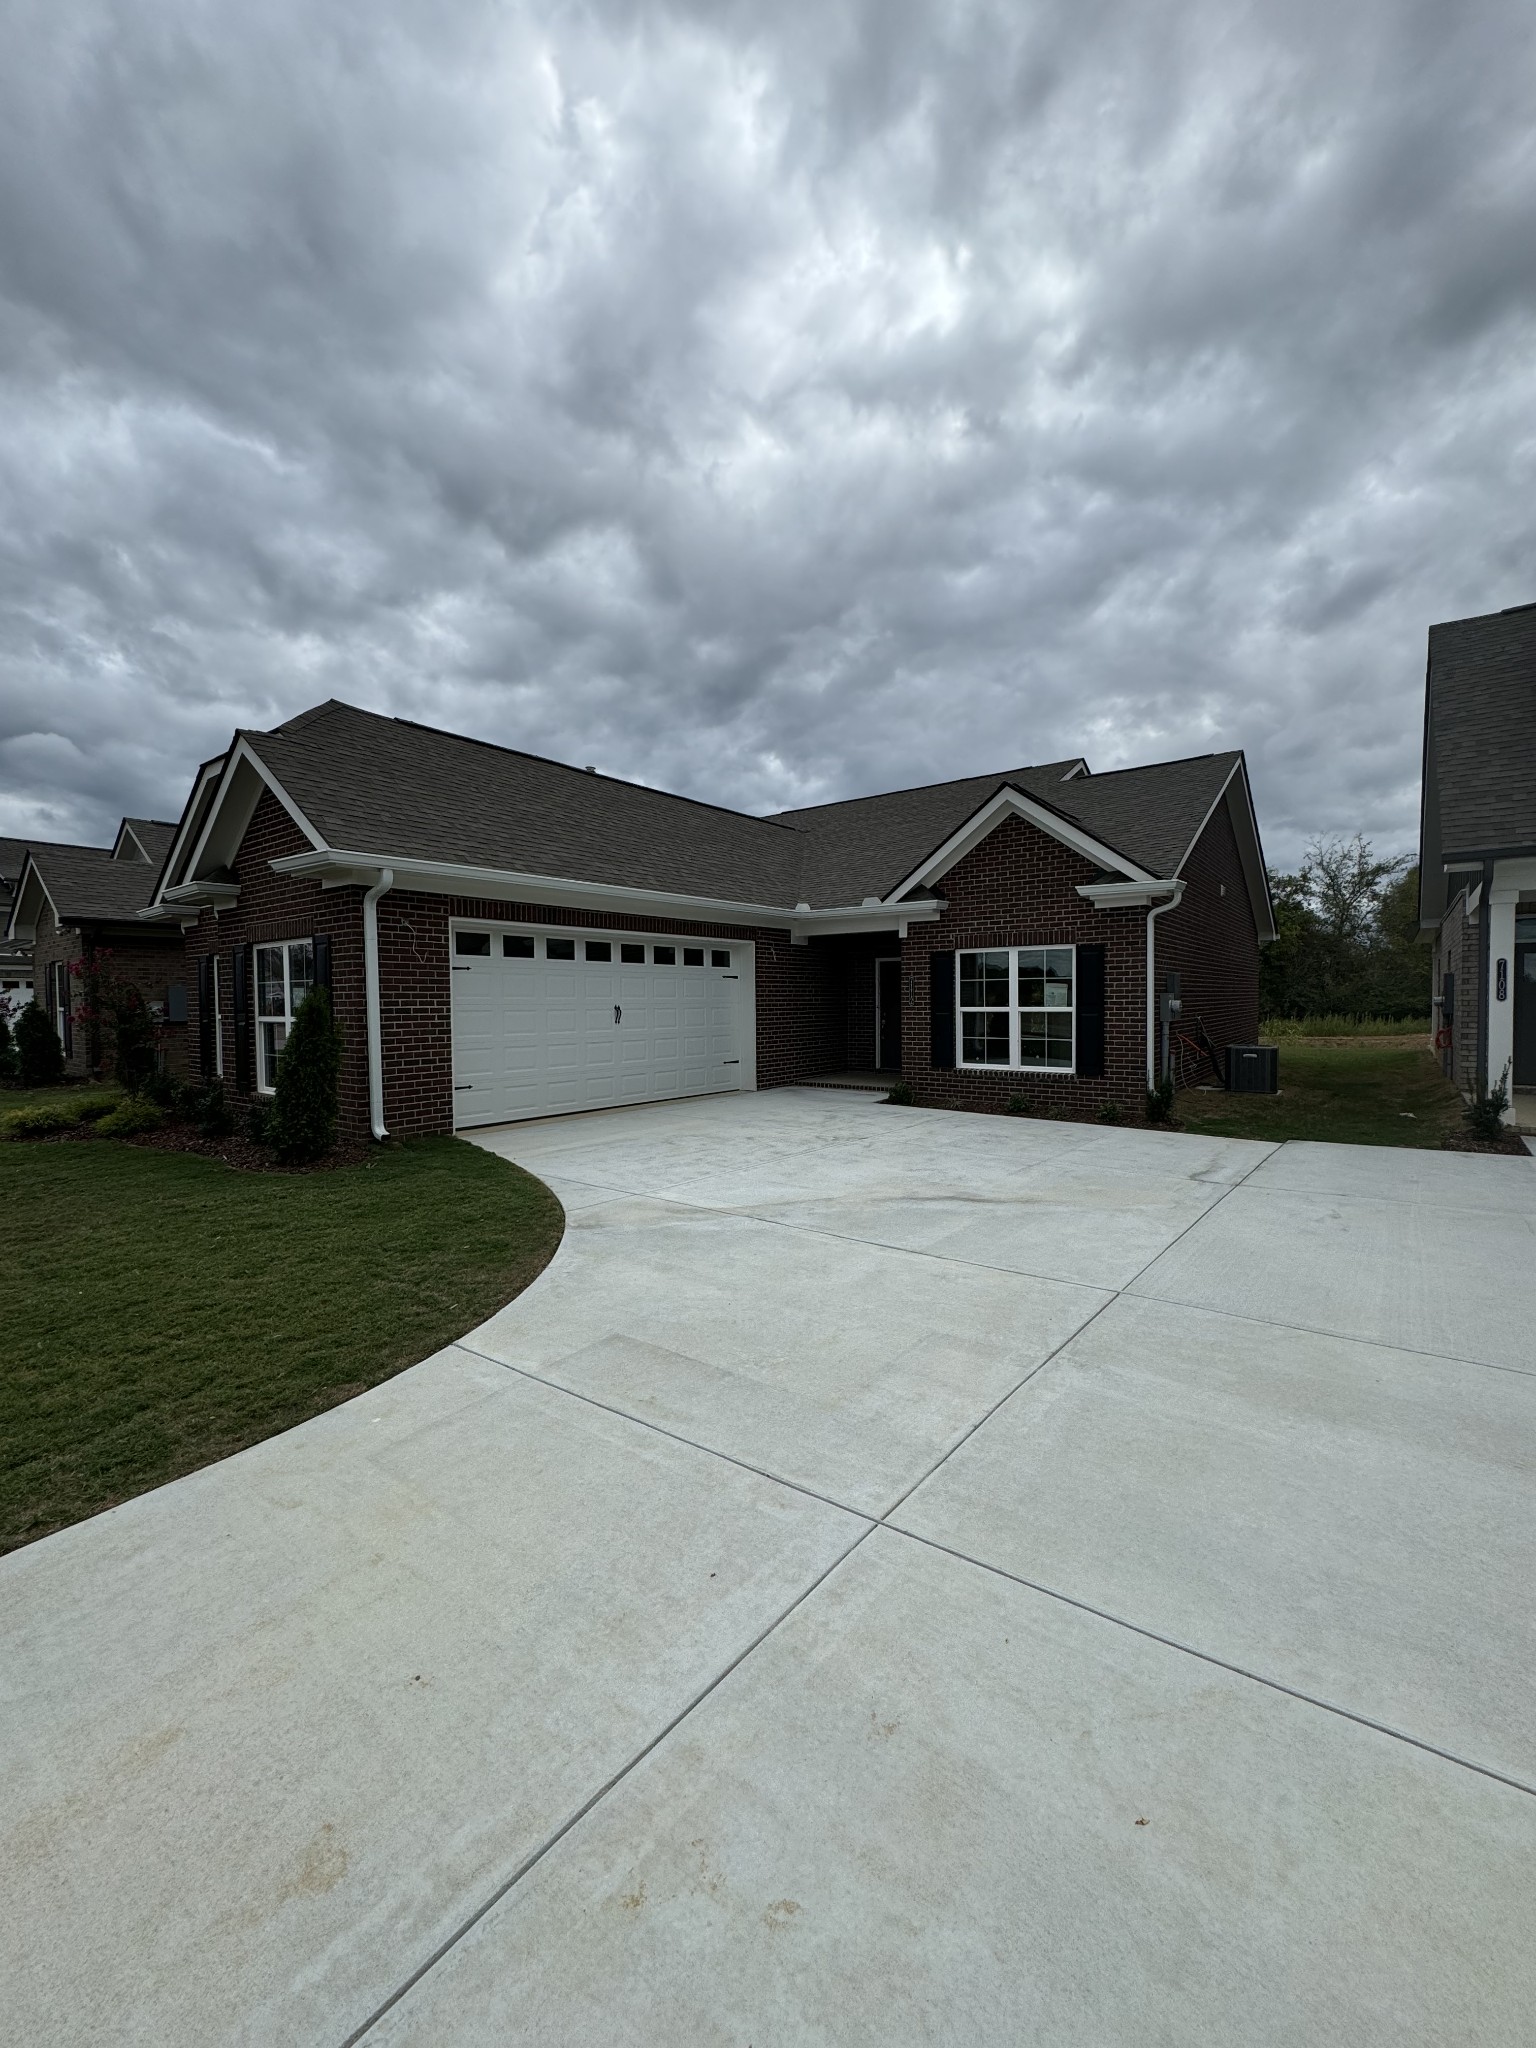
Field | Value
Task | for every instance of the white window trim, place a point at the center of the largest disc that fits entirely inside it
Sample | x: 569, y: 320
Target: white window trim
x: 286, y: 1020
x: 1015, y: 1065
x: 218, y: 1020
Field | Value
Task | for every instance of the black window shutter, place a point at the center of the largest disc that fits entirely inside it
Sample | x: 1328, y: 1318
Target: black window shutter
x: 941, y: 1048
x: 322, y: 944
x: 205, y: 1052
x: 66, y: 1016
x: 240, y: 982
x: 1090, y: 1012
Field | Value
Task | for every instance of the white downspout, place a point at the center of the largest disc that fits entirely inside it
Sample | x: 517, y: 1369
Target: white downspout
x: 1156, y: 911
x: 371, y: 897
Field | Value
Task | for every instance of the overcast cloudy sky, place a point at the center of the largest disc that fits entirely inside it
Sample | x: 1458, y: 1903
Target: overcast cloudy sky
x: 774, y: 402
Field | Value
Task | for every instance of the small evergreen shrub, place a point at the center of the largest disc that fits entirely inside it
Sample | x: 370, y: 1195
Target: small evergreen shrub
x: 38, y: 1051
x: 900, y: 1094
x: 210, y: 1111
x: 307, y: 1100
x: 1160, y: 1101
x: 129, y: 1118
x: 258, y: 1123
x: 1018, y: 1105
x: 162, y: 1089
x: 10, y: 1064
x: 45, y: 1121
x: 1484, y: 1114
x: 1111, y: 1113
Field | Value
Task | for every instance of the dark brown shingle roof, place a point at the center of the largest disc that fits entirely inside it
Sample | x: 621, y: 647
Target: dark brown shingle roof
x: 1481, y: 730
x: 384, y: 786
x: 85, y: 883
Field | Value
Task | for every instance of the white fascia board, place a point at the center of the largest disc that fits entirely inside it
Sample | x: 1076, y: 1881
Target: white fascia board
x: 1010, y: 801
x: 191, y: 821
x: 243, y: 755
x: 1512, y: 879
x: 339, y: 869
x: 30, y: 872
x: 1127, y: 895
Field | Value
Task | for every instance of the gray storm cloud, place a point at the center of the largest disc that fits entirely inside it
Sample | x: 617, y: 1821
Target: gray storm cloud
x: 767, y: 403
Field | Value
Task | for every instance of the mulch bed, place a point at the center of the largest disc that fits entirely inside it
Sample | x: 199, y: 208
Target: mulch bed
x: 237, y: 1150
x: 1512, y: 1145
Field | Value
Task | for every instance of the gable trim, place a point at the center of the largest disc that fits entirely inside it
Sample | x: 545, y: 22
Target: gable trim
x: 235, y: 787
x: 30, y: 871
x: 1012, y: 802
x: 1250, y: 855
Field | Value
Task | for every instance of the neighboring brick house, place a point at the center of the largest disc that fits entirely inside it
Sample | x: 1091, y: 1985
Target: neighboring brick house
x: 76, y: 907
x: 1477, y: 850
x: 15, y: 955
x: 505, y: 936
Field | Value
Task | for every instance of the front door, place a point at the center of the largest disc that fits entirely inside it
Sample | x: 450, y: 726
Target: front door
x: 1525, y: 1015
x: 888, y: 1015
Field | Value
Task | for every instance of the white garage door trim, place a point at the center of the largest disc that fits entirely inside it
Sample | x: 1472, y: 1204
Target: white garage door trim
x: 667, y: 1052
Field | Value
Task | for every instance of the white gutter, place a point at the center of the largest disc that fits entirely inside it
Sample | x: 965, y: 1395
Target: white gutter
x: 335, y: 867
x: 1155, y: 912
x: 371, y: 897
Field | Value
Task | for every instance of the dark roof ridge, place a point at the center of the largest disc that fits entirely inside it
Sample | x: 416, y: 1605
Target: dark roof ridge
x: 470, y: 739
x: 1178, y: 761
x: 879, y: 796
x: 1482, y: 618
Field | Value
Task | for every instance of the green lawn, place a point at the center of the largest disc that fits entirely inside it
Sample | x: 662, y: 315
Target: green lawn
x: 1347, y: 1094
x: 161, y: 1310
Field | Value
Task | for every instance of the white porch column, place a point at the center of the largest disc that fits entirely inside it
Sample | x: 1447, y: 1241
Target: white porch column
x: 1500, y: 913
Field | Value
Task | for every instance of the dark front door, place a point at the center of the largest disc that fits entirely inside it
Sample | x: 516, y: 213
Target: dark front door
x: 1525, y: 1016
x: 888, y: 1015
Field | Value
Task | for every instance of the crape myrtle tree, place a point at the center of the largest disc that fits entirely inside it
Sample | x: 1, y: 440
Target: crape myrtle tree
x: 1347, y: 936
x: 112, y: 1007
x: 307, y: 1099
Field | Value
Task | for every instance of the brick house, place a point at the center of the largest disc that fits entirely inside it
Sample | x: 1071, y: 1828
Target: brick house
x: 15, y: 955
x: 74, y: 907
x: 1477, y: 849
x: 505, y: 936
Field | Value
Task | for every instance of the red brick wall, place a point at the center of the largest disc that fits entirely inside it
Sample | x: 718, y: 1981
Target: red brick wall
x: 151, y: 961
x: 800, y: 1017
x: 275, y: 907
x: 1019, y: 888
x: 1212, y: 940
x: 1457, y: 951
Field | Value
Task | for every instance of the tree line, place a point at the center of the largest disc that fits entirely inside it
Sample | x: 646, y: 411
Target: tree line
x: 1348, y: 940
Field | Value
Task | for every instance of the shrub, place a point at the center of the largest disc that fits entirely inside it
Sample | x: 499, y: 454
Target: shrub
x: 10, y: 1065
x: 90, y: 1109
x: 900, y: 1094
x: 45, y: 1121
x: 1111, y: 1113
x: 1160, y: 1101
x: 258, y: 1123
x: 131, y: 1117
x: 162, y: 1089
x: 307, y: 1099
x: 1484, y: 1114
x: 209, y: 1109
x: 38, y: 1051
x: 1018, y: 1105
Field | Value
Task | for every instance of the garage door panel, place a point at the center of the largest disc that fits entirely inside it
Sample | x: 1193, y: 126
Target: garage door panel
x: 534, y: 1036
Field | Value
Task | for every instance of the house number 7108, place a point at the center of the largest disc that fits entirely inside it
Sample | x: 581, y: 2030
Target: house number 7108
x: 1501, y: 982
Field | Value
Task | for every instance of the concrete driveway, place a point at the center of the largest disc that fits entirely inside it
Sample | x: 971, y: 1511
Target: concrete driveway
x: 896, y: 1577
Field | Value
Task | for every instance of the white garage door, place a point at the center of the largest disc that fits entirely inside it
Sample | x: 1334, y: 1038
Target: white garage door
x: 551, y: 1021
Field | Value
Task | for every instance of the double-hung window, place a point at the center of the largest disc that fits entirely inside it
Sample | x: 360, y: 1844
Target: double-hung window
x: 1017, y: 1008
x: 284, y: 977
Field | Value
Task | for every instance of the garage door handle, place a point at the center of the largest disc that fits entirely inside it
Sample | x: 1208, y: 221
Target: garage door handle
x: 618, y: 1014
